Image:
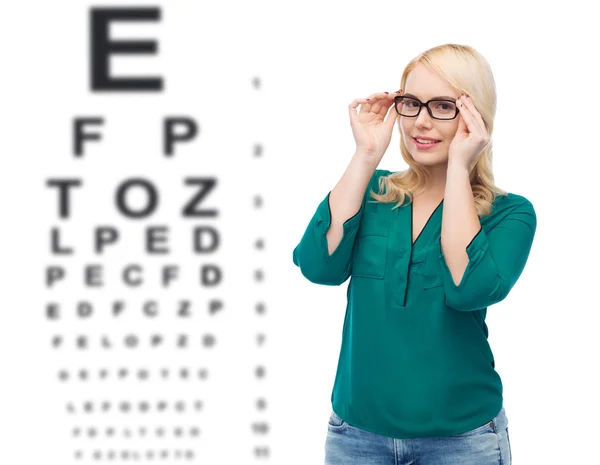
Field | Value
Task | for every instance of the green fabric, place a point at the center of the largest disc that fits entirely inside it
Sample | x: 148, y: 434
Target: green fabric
x: 415, y: 359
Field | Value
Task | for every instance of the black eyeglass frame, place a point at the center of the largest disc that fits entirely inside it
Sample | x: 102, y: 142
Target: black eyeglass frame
x: 398, y: 98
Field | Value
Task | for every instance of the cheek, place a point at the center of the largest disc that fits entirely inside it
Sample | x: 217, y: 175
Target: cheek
x: 454, y: 130
x: 405, y: 127
x: 449, y: 134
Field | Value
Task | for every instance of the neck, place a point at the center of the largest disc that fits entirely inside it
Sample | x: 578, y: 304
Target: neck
x: 436, y: 185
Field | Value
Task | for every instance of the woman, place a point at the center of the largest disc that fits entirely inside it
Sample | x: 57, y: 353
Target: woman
x: 427, y: 254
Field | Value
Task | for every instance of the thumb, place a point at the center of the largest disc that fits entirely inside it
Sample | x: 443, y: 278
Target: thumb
x: 392, y: 116
x: 353, y: 110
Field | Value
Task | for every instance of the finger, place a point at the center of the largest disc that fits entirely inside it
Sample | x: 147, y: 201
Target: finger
x: 476, y: 116
x: 352, y: 108
x: 374, y: 103
x: 393, y: 114
x: 380, y: 103
x: 369, y: 102
x: 467, y: 116
x: 462, y: 125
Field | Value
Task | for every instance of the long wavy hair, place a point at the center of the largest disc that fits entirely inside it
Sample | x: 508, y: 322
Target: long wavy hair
x: 467, y: 72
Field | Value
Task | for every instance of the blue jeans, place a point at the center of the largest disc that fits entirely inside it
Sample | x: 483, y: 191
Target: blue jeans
x: 485, y: 445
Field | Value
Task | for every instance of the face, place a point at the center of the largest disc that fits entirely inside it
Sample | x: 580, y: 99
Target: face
x: 425, y: 85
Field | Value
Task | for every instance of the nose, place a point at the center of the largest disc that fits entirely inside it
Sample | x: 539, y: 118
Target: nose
x: 423, y: 117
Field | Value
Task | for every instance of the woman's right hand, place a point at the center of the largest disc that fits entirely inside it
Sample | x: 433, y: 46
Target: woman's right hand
x: 371, y: 133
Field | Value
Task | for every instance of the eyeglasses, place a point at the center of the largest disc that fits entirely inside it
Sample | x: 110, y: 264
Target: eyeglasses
x: 438, y: 109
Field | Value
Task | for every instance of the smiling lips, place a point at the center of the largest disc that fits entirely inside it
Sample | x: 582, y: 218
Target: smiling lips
x: 425, y: 145
x: 426, y: 138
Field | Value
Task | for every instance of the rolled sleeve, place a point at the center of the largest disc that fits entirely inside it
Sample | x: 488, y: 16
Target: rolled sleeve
x: 496, y: 260
x: 312, y: 253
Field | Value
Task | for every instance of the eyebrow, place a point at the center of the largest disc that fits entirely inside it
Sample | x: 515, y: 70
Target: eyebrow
x: 432, y: 98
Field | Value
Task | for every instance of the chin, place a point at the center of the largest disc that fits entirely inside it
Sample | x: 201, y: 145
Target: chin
x: 430, y: 157
x: 433, y: 159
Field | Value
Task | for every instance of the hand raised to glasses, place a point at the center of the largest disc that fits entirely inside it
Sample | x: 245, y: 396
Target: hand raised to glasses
x: 371, y: 133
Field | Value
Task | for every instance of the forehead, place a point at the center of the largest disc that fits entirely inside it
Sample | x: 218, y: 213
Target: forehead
x: 425, y: 84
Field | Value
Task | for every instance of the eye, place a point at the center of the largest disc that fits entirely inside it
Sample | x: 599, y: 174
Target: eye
x: 444, y: 106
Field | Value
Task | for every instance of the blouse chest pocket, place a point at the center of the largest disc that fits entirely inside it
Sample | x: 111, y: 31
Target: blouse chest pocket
x: 370, y: 249
x: 430, y: 268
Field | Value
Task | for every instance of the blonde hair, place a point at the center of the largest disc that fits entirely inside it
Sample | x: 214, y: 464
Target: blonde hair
x: 467, y: 72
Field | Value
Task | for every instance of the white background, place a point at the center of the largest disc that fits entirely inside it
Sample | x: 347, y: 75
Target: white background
x: 313, y: 59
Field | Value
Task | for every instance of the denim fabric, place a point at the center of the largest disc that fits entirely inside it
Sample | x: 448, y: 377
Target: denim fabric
x: 487, y: 444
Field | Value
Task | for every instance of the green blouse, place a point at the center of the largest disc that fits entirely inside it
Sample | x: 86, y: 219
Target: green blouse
x: 415, y: 360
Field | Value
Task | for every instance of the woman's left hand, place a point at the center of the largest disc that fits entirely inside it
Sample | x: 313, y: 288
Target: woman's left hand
x: 470, y: 138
